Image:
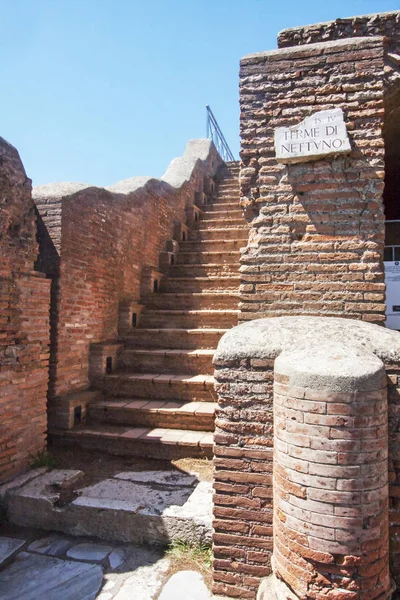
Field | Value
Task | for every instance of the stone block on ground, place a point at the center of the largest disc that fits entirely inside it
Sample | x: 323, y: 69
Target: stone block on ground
x: 52, y: 545
x: 118, y: 509
x: 88, y: 551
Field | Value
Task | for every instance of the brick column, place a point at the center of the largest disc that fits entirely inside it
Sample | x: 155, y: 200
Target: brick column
x: 322, y: 409
x: 331, y: 475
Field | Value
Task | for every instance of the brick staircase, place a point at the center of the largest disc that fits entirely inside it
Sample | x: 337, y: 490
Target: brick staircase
x: 160, y: 402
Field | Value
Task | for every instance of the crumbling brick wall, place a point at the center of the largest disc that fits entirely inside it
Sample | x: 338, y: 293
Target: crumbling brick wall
x: 102, y: 241
x: 378, y: 24
x: 24, y: 340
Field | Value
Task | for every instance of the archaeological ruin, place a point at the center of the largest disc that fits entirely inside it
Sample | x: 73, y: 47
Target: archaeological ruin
x: 246, y: 312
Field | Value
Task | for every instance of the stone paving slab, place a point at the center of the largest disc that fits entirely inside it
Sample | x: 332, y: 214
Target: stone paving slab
x: 52, y: 545
x: 88, y: 551
x: 126, y: 572
x: 185, y: 585
x: 144, y: 583
x: 33, y: 576
x: 116, y: 558
x: 9, y: 547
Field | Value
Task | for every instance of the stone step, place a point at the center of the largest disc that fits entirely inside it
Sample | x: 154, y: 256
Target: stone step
x: 212, y: 215
x: 196, y: 416
x: 190, y: 388
x: 190, y: 319
x: 201, y: 284
x: 174, y: 338
x: 226, y: 233
x: 167, y: 444
x: 221, y: 206
x: 221, y: 257
x: 215, y: 245
x: 228, y: 198
x: 224, y: 199
x: 228, y: 177
x: 227, y: 186
x: 192, y: 301
x: 218, y: 223
x: 140, y: 507
x: 164, y: 360
x: 205, y: 270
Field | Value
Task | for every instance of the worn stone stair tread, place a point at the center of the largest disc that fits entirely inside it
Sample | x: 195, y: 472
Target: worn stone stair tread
x: 211, y: 253
x: 205, y: 265
x: 159, y: 406
x: 172, y: 351
x: 225, y: 207
x: 188, y: 415
x: 195, y: 294
x: 189, y: 243
x: 223, y: 276
x: 146, y: 435
x: 177, y: 330
x: 203, y: 380
x: 229, y: 191
x: 206, y: 224
x: 205, y: 311
x: 228, y: 228
x: 224, y: 212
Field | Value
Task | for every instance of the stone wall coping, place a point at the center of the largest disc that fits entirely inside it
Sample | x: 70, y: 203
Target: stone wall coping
x: 358, y: 18
x: 267, y: 338
x: 317, y: 47
x: 179, y: 171
x: 332, y: 367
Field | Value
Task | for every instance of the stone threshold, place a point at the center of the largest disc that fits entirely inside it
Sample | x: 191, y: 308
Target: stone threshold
x: 140, y: 507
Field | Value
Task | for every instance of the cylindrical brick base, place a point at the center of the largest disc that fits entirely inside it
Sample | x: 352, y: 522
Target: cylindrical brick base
x: 331, y: 475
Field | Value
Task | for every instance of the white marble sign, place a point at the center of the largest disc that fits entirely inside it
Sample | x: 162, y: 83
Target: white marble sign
x: 320, y: 135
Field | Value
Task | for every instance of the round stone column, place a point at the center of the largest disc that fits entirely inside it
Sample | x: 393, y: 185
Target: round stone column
x: 331, y: 475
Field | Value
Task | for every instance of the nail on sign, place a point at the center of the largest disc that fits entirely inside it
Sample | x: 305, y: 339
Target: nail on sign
x: 320, y: 135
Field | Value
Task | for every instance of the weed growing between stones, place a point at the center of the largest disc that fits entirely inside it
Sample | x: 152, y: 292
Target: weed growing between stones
x: 190, y: 557
x: 43, y: 458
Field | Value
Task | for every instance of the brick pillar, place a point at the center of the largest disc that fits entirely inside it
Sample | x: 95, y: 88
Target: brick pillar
x: 331, y: 475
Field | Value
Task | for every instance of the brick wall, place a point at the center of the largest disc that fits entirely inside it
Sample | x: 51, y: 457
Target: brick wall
x: 24, y: 339
x: 317, y: 228
x: 243, y: 450
x: 104, y: 240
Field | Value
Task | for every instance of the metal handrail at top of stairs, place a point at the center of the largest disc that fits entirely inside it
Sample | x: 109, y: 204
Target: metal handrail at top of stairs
x: 215, y: 134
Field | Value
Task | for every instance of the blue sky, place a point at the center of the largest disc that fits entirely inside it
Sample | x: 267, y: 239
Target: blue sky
x: 100, y: 90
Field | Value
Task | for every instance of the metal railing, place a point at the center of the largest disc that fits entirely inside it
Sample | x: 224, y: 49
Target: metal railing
x: 215, y: 134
